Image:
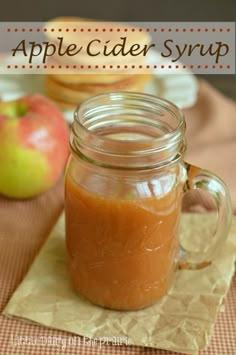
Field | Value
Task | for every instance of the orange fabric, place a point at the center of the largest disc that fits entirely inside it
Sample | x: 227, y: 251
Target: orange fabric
x: 24, y: 225
x: 211, y: 136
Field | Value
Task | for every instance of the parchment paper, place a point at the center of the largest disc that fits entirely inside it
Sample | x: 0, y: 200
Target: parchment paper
x: 182, y: 321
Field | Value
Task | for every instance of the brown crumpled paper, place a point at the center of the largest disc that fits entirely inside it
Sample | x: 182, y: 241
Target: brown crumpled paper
x: 182, y: 321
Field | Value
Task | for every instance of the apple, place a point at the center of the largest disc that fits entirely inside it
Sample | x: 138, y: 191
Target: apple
x: 33, y: 146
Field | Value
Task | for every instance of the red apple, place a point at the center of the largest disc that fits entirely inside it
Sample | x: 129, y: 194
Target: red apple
x: 33, y: 146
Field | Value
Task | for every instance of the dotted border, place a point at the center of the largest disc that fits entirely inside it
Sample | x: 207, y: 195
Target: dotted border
x: 75, y: 29
x: 85, y: 67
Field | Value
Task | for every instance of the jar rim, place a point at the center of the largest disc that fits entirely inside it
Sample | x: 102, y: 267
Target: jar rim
x: 129, y: 118
x: 137, y: 96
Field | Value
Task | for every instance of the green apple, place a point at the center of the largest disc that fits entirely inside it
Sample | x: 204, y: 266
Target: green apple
x: 33, y: 146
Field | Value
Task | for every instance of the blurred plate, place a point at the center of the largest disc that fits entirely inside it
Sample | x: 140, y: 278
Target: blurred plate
x: 179, y: 87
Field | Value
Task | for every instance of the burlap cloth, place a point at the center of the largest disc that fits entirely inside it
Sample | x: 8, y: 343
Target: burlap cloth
x: 211, y: 144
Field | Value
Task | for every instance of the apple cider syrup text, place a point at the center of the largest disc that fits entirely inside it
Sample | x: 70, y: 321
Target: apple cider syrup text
x: 97, y: 47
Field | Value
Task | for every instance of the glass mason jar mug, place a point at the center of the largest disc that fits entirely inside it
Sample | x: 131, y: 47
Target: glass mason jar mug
x: 125, y: 181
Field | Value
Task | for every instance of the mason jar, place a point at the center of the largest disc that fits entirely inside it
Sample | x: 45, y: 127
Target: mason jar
x: 125, y: 181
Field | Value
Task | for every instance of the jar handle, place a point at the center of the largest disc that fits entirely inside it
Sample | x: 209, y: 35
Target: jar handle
x: 198, y: 178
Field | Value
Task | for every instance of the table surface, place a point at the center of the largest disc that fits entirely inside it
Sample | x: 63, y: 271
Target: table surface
x: 17, y: 250
x: 13, y: 332
x: 40, y: 340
